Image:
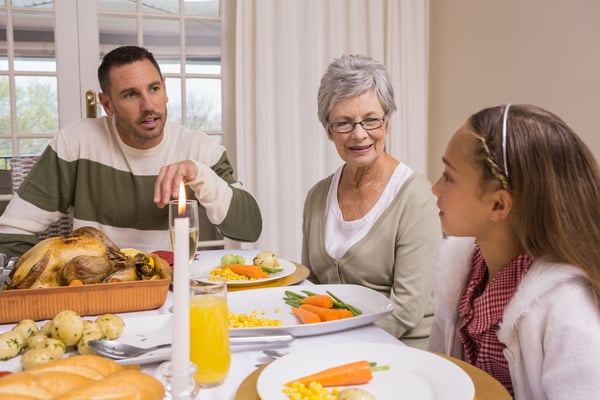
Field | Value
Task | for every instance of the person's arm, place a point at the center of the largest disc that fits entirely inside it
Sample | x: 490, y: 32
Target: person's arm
x: 558, y: 343
x: 308, y: 218
x: 415, y: 256
x: 39, y: 202
x: 234, y: 211
x: 15, y: 244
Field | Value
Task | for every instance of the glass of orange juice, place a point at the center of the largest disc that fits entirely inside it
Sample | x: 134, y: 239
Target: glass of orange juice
x: 209, y: 330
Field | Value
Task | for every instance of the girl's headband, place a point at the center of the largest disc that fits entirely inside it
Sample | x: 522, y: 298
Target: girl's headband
x: 504, y: 139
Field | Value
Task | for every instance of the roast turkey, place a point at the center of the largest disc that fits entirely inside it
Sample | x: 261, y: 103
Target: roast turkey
x: 87, y: 255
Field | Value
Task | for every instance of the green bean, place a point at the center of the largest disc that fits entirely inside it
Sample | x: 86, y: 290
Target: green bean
x: 347, y: 306
x: 289, y: 293
x: 295, y: 300
x: 270, y: 270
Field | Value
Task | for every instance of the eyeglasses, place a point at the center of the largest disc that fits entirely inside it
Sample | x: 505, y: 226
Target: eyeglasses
x: 368, y: 124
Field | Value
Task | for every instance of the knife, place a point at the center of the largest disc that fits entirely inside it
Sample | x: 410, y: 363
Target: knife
x: 119, y: 351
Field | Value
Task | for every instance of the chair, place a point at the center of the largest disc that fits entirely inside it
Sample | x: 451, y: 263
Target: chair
x: 19, y: 168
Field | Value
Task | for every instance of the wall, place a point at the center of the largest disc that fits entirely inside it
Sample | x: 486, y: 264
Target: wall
x: 485, y: 52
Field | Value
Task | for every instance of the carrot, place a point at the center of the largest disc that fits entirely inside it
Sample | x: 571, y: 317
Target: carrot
x: 354, y: 373
x: 328, y: 314
x: 305, y: 316
x: 321, y: 300
x: 251, y: 271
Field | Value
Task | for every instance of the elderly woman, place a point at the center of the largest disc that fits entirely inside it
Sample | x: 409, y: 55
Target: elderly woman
x: 374, y: 222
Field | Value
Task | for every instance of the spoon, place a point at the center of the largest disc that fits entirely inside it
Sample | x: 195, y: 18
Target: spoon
x: 119, y: 351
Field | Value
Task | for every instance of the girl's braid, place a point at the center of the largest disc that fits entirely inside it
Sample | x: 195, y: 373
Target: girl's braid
x: 494, y: 168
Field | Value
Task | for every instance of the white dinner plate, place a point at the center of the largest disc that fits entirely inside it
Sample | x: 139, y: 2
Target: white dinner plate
x: 207, y: 260
x: 414, y: 374
x: 269, y: 303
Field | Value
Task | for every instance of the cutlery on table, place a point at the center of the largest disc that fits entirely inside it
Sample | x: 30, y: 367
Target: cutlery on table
x: 118, y: 350
x: 6, y: 270
x: 273, y: 354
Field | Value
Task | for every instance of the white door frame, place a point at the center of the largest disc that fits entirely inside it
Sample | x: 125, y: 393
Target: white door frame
x: 77, y: 56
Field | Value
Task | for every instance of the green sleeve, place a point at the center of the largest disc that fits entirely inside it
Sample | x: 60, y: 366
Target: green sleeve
x: 243, y: 221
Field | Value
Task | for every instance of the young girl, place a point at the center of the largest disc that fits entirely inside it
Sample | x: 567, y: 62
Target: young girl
x: 517, y: 295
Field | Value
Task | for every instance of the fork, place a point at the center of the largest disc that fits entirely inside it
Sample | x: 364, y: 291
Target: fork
x: 273, y: 354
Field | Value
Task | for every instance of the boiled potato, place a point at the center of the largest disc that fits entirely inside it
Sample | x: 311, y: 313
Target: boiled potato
x: 266, y: 259
x: 83, y: 347
x: 55, y: 347
x: 47, y: 328
x: 35, y: 358
x: 91, y: 326
x: 112, y: 325
x: 11, y: 343
x: 26, y: 328
x: 36, y: 341
x: 355, y: 394
x: 67, y: 327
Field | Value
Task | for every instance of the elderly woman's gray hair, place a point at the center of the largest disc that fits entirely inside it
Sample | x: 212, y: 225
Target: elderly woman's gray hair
x: 349, y: 76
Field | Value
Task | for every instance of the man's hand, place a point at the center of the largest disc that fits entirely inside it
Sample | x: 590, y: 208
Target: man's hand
x: 169, y: 178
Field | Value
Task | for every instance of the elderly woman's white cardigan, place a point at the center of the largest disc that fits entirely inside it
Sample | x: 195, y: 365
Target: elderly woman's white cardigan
x: 551, y: 327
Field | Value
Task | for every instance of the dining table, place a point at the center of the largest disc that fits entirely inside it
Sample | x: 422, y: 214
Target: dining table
x: 248, y: 360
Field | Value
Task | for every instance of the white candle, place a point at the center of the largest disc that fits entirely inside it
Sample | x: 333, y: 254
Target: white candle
x: 180, y: 356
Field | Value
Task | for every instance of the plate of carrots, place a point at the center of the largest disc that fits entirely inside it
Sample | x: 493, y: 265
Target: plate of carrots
x: 242, y: 271
x: 384, y: 370
x: 349, y: 306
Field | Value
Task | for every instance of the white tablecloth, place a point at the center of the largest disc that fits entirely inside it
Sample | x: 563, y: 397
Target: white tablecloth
x: 244, y: 358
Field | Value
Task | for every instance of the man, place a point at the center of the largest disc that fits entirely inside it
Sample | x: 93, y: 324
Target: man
x: 117, y: 173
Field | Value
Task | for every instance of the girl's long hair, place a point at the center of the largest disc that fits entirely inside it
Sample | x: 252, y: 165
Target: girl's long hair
x: 554, y: 180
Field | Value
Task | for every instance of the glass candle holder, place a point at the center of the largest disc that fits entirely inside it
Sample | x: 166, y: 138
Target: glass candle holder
x: 180, y: 385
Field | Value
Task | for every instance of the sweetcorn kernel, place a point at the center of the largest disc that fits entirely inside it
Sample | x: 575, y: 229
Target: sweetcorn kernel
x: 314, y: 391
x: 229, y: 275
x: 250, y: 321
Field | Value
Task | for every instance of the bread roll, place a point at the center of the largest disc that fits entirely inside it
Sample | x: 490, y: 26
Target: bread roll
x: 90, y: 366
x: 22, y: 385
x: 80, y: 377
x: 124, y: 385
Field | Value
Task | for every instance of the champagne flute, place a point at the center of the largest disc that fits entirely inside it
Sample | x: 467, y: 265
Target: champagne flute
x: 188, y: 209
x: 209, y: 330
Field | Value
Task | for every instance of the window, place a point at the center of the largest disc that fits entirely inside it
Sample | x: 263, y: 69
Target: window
x: 185, y: 38
x: 184, y: 35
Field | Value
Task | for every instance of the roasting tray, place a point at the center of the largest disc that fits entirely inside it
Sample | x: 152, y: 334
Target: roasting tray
x: 87, y: 300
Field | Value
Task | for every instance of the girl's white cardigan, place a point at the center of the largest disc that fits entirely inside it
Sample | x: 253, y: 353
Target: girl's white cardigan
x: 551, y: 327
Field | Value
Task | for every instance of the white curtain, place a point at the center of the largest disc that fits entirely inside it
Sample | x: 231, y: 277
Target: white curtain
x: 282, y: 48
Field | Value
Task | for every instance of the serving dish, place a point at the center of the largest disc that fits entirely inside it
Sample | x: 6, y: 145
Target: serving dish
x: 413, y: 373
x: 93, y: 299
x: 269, y: 303
x: 206, y: 261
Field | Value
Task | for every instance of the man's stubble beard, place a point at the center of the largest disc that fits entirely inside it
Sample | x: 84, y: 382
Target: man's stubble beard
x: 137, y: 135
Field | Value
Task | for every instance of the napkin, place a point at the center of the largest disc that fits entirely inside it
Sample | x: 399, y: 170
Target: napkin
x: 166, y: 255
